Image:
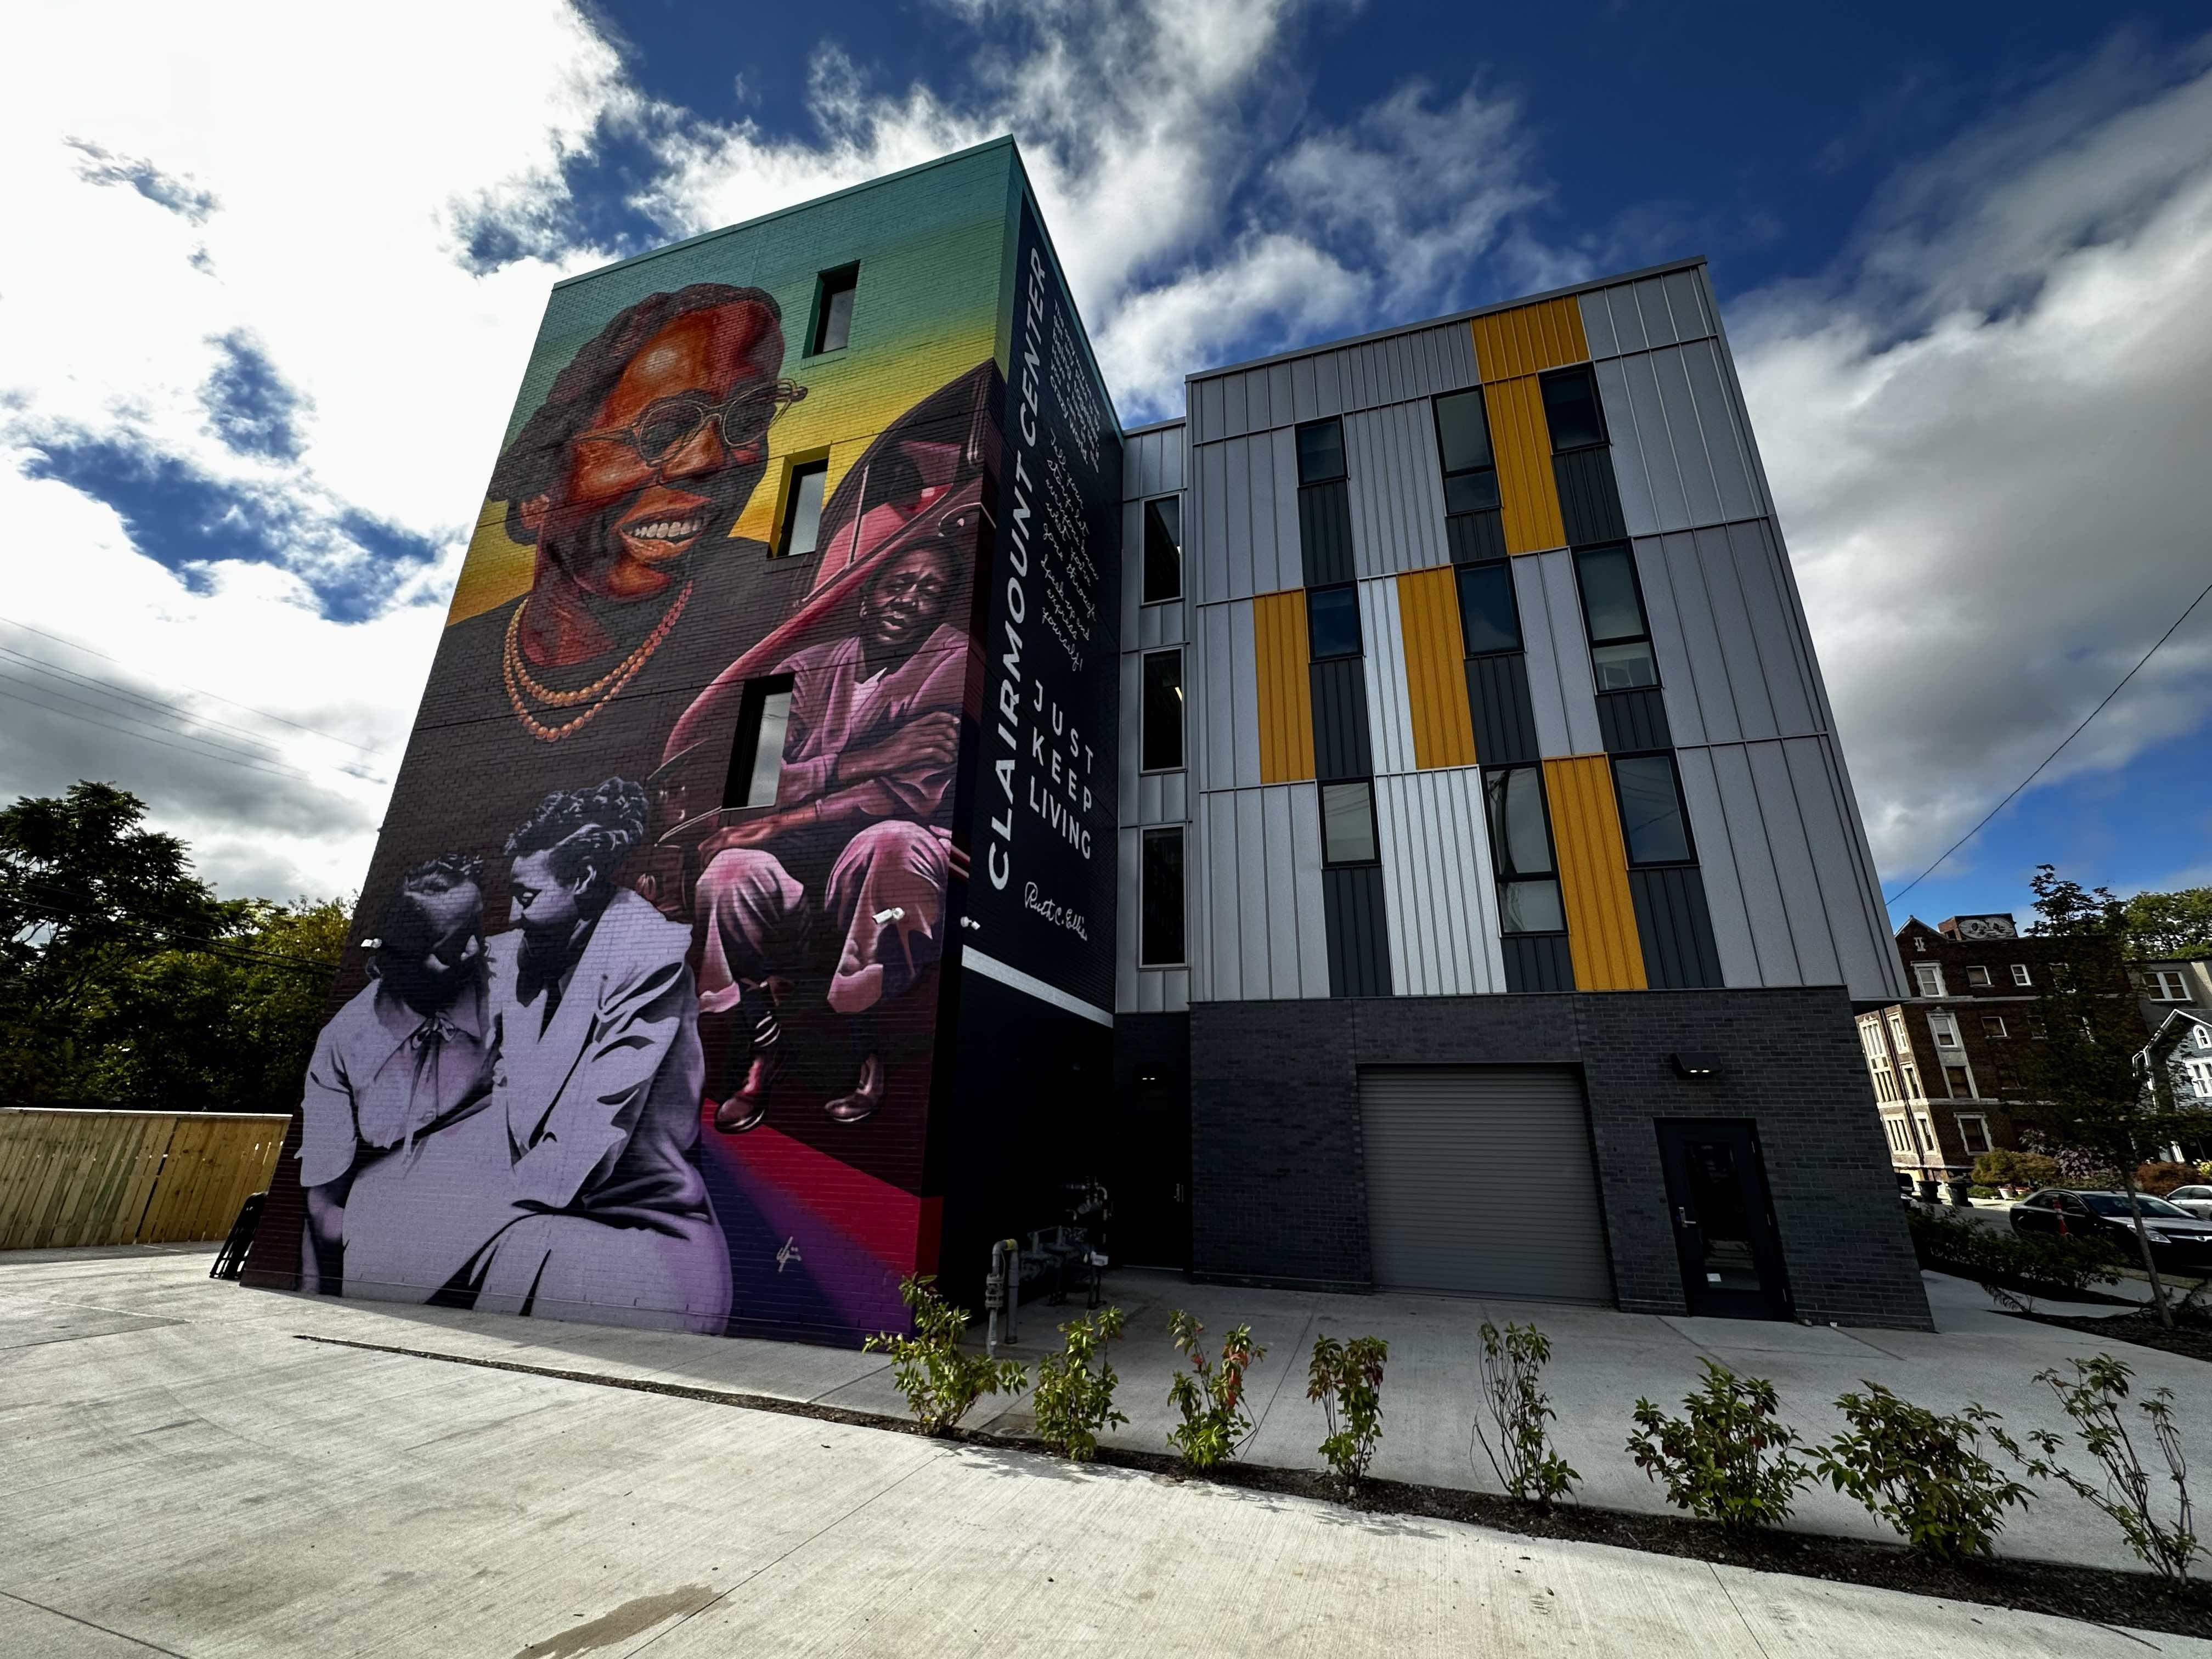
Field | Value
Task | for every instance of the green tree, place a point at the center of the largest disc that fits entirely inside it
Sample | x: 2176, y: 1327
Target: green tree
x: 2177, y: 924
x: 2084, y: 1085
x: 126, y: 982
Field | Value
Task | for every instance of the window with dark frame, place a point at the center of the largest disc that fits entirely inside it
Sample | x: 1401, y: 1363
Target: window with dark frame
x: 1160, y: 902
x: 757, y: 750
x: 1470, y: 468
x: 1621, y: 659
x: 1521, y: 849
x: 1162, y: 550
x: 1571, y: 410
x: 1333, y: 621
x: 1320, y: 451
x: 1161, y: 694
x: 1489, y: 616
x: 833, y: 309
x: 802, y: 509
x: 1347, y: 823
x: 1652, y: 821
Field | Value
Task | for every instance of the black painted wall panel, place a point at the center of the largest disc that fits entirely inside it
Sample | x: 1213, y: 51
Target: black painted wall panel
x: 1677, y: 928
x: 1538, y: 962
x: 1504, y: 724
x: 1633, y: 720
x: 1325, y: 532
x: 1475, y: 537
x: 1589, y: 502
x: 1358, y: 930
x: 1340, y: 719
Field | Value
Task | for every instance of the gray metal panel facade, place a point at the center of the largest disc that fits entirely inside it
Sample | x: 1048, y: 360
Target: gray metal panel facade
x: 1151, y: 463
x: 1438, y: 888
x: 1655, y: 310
x: 1787, y: 885
x: 1679, y: 455
x: 1262, y: 934
x: 1561, y: 696
x: 1240, y: 535
x: 1390, y: 710
x: 1417, y: 363
x: 1149, y: 990
x: 1397, y: 489
x: 1482, y: 1181
x: 1731, y: 647
x: 1228, y: 749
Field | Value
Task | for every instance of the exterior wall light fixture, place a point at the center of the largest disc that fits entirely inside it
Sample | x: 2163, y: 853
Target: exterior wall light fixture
x: 1698, y: 1067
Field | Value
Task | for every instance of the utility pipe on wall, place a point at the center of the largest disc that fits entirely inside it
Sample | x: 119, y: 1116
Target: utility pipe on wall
x: 1002, y: 1292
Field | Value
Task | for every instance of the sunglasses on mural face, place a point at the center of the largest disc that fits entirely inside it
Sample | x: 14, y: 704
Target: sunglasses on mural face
x: 671, y: 423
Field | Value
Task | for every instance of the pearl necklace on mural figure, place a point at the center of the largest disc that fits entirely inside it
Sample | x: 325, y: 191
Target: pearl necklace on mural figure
x: 605, y: 688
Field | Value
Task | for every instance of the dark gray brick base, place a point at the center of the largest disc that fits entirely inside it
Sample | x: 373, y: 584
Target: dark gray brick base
x: 1280, y: 1194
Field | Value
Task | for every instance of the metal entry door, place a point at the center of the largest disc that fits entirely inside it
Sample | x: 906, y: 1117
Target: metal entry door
x: 1480, y: 1181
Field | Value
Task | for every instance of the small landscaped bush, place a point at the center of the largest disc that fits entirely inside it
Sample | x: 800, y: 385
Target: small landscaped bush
x: 1074, y: 1403
x: 2160, y: 1529
x: 1346, y: 1377
x: 2006, y: 1264
x: 1523, y: 1460
x: 1210, y: 1396
x: 2005, y: 1167
x: 2159, y: 1179
x: 1922, y: 1472
x: 1731, y: 1459
x: 939, y: 1379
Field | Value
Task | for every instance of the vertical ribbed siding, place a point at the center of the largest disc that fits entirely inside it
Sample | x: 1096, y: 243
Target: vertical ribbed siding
x: 1731, y: 644
x: 1677, y: 931
x: 1632, y: 720
x: 1341, y: 748
x: 1529, y: 338
x: 1396, y: 487
x: 1589, y: 500
x: 1359, y: 932
x: 1680, y: 453
x: 1474, y: 537
x: 1601, y: 936
x: 1438, y: 884
x: 1655, y: 310
x: 1498, y: 698
x: 1389, y: 718
x: 1539, y: 962
x: 1259, y: 933
x: 1561, y: 693
x: 1325, y: 534
x: 1285, y: 702
x: 1522, y: 443
x: 1435, y: 687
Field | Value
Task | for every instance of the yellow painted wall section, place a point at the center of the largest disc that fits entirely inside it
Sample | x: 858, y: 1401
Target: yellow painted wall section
x: 1286, y: 692
x: 1601, y: 937
x: 1522, y: 443
x: 1529, y: 338
x: 1435, y: 673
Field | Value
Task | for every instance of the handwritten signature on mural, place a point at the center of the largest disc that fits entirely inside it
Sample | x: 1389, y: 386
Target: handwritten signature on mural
x: 1052, y: 910
x: 788, y: 1253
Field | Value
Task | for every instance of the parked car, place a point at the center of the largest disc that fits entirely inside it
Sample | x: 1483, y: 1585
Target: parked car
x: 2179, y: 1241
x: 2198, y: 1200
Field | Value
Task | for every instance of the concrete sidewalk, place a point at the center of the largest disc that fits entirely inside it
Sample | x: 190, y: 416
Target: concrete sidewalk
x: 183, y: 1477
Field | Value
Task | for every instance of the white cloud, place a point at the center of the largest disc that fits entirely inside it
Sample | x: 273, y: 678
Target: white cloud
x: 1988, y: 445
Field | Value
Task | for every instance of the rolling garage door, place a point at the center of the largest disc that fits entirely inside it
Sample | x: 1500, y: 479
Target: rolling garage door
x: 1480, y: 1182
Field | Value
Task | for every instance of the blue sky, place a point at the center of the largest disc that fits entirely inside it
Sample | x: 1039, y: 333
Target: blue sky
x: 1961, y: 251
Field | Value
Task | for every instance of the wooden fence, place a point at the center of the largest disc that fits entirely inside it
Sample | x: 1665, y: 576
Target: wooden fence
x: 90, y: 1177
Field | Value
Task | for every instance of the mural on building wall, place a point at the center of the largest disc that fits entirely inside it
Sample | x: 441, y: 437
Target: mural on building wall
x: 641, y: 1026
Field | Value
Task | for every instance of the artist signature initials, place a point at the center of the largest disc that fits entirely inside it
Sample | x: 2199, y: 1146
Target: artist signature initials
x: 1059, y: 914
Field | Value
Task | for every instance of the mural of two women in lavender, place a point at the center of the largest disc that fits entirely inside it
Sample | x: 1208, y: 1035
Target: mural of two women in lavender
x: 660, y: 1029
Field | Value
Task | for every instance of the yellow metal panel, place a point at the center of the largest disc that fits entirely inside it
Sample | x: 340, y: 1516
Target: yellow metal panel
x: 1285, y: 691
x: 1529, y: 338
x: 1436, y: 672
x: 1523, y: 446
x: 1601, y: 937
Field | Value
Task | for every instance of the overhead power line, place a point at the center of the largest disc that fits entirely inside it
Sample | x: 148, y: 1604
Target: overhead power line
x: 264, y: 713
x: 211, y: 744
x: 2053, y: 755
x: 107, y: 688
x: 143, y: 737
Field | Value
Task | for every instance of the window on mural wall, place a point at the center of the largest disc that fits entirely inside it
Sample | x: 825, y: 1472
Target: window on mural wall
x: 1571, y: 411
x: 1160, y: 933
x: 1613, y: 614
x: 802, y: 508
x: 1321, y: 451
x: 834, y: 293
x: 1463, y: 446
x: 1162, y: 710
x: 756, y: 752
x: 1521, y: 848
x: 1162, y: 550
